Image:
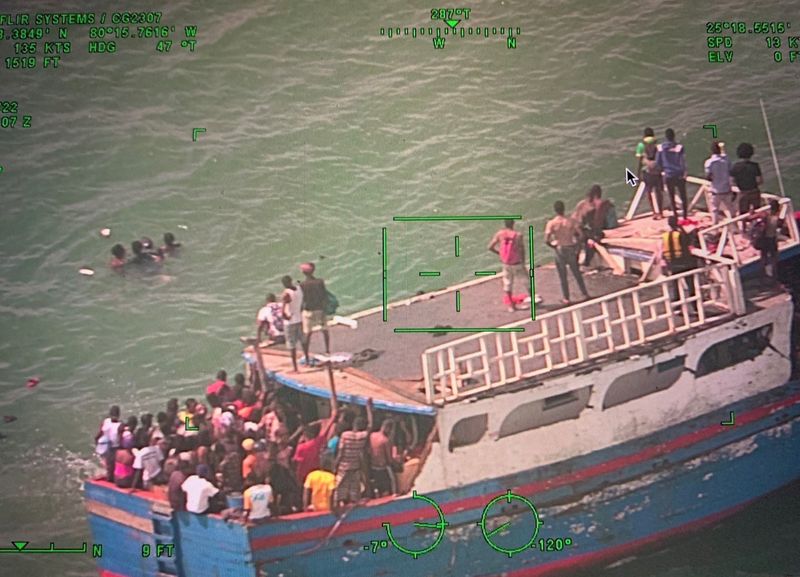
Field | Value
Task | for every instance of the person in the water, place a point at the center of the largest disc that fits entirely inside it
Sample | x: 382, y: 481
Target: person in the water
x: 170, y: 247
x: 141, y: 256
x: 118, y: 255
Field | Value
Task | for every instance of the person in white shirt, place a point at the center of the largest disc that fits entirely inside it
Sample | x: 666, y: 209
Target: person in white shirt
x: 198, y: 492
x: 257, y: 499
x: 147, y: 465
x: 107, y: 440
x: 270, y: 319
x: 292, y: 312
x: 718, y: 171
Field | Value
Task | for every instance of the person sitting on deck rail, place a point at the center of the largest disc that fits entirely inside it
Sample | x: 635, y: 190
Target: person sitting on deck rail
x: 315, y: 302
x: 147, y: 465
x: 350, y: 459
x: 269, y: 319
x: 381, y: 460
x: 319, y: 487
x: 123, y: 467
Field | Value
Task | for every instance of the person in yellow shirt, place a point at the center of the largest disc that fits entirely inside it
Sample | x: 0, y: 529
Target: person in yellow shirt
x: 319, y: 486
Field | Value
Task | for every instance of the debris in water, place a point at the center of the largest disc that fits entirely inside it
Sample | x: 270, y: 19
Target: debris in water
x: 105, y: 232
x: 183, y: 226
x: 32, y: 382
x: 9, y: 418
x: 86, y: 271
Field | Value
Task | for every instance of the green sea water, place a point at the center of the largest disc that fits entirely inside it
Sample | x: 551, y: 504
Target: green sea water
x: 318, y: 131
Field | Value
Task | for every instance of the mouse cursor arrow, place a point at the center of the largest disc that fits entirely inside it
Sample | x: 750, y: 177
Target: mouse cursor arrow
x: 630, y: 178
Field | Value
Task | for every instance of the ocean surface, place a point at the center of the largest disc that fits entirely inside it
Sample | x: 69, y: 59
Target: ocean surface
x: 318, y: 131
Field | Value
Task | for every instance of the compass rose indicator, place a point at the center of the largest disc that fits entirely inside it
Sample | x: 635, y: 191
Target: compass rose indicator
x: 491, y: 532
x: 438, y: 526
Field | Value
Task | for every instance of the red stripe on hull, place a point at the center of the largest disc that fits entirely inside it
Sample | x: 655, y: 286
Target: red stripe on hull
x: 620, y: 551
x: 283, y: 539
x: 104, y: 573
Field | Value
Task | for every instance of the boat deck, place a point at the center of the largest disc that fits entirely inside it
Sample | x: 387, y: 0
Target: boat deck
x: 396, y: 374
x: 411, y: 371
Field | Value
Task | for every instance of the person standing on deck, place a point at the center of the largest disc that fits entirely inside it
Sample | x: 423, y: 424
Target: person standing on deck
x: 315, y: 300
x: 292, y: 299
x: 718, y: 170
x: 563, y: 234
x: 650, y: 172
x: 677, y: 255
x: 350, y: 459
x: 512, y: 255
x: 108, y: 438
x: 590, y: 214
x: 746, y: 174
x: 671, y: 157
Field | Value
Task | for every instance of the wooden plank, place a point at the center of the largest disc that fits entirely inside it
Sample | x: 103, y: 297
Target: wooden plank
x: 118, y: 516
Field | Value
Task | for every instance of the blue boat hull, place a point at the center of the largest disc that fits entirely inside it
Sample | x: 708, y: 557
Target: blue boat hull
x: 606, y: 503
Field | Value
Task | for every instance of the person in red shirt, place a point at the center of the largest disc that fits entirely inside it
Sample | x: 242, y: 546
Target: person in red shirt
x: 307, y: 454
x: 219, y: 390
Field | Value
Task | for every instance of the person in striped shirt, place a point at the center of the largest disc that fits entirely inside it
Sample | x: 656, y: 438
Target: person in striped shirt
x: 351, y: 459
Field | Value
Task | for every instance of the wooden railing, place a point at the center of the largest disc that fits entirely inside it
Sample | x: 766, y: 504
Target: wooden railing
x: 579, y: 333
x: 717, y: 242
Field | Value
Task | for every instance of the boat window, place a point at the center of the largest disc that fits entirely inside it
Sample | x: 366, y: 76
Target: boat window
x: 744, y: 347
x: 468, y: 431
x: 545, y: 412
x: 644, y: 382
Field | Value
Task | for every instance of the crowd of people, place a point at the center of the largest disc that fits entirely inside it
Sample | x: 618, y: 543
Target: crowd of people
x: 661, y: 167
x: 664, y: 166
x: 262, y: 441
x: 143, y: 252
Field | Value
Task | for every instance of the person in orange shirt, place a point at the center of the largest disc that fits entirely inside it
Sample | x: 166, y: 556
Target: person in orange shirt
x: 250, y: 459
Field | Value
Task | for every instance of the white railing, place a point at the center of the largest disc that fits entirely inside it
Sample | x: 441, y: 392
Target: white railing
x: 721, y: 234
x: 589, y: 330
x: 636, y: 202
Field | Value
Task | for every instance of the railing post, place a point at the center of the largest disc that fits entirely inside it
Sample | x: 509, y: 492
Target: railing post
x: 426, y: 373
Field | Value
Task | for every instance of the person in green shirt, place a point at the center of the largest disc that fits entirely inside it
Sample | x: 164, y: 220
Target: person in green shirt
x: 650, y: 172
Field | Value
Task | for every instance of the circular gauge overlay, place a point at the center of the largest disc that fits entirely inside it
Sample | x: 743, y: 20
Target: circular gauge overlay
x: 422, y: 536
x: 510, y: 524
